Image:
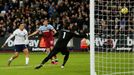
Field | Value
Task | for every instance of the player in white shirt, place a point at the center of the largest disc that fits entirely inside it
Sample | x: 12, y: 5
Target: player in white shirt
x: 20, y: 43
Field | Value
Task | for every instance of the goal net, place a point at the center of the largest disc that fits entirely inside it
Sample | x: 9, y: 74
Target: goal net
x: 114, y: 37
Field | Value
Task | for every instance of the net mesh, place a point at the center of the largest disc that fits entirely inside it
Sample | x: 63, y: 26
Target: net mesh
x: 114, y: 38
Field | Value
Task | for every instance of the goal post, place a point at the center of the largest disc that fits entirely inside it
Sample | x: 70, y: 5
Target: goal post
x: 92, y: 49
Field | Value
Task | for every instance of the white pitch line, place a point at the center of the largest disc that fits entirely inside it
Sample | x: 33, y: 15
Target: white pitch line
x: 22, y: 67
x: 15, y: 67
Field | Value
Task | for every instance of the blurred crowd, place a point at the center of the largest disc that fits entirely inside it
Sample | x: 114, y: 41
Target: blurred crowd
x: 32, y: 13
x: 109, y: 19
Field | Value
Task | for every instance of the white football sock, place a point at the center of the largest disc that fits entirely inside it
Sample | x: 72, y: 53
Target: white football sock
x: 62, y: 67
x: 11, y: 59
x: 27, y: 60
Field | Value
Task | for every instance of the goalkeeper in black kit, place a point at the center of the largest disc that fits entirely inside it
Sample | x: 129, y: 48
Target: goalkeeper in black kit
x: 65, y: 35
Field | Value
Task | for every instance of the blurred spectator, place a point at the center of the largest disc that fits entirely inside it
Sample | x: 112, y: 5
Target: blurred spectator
x: 32, y: 12
x: 109, y: 19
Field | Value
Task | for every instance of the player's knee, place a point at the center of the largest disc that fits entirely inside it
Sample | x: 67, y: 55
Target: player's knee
x: 26, y: 53
x: 16, y: 55
x: 26, y: 50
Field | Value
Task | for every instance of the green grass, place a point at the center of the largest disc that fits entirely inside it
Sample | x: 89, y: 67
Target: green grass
x: 78, y: 64
x: 111, y: 63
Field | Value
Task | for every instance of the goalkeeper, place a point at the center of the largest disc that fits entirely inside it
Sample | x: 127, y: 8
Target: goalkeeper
x: 61, y: 45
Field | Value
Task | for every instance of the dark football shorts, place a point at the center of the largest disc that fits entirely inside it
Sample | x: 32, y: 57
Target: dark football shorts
x: 62, y: 50
x: 20, y: 48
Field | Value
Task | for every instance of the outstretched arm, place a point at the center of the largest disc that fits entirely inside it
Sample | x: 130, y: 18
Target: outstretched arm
x: 9, y: 38
x: 78, y: 35
x: 34, y: 33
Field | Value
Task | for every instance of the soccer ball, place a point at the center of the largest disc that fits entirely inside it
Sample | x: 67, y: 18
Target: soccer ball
x: 124, y: 10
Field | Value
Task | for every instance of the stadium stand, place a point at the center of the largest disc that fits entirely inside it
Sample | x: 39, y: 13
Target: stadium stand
x: 32, y: 13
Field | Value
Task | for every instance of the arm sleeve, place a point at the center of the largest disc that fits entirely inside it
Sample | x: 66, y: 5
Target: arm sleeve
x: 40, y: 28
x: 10, y: 37
x: 78, y: 35
x: 51, y: 27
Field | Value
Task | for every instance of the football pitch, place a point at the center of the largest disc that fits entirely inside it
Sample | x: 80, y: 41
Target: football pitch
x: 107, y: 63
x: 78, y: 64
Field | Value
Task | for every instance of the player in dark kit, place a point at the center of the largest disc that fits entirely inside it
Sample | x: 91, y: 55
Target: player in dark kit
x: 61, y: 45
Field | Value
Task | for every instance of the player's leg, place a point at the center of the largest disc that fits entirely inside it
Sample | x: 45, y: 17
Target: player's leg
x: 50, y: 46
x: 54, y: 58
x: 51, y: 54
x: 26, y: 52
x: 48, y: 52
x: 66, y: 53
x: 16, y: 54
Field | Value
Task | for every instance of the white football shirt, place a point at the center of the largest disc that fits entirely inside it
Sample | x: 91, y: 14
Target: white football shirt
x: 21, y: 37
